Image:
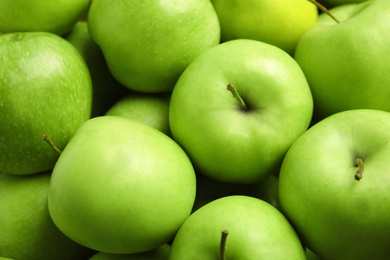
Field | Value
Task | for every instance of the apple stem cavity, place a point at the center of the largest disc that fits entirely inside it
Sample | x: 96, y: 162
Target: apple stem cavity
x: 237, y: 96
x: 48, y: 140
x: 325, y: 10
x: 222, y: 248
x: 359, y: 172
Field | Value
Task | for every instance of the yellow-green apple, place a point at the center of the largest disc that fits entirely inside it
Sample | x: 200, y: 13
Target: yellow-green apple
x: 278, y: 22
x: 238, y: 107
x: 121, y: 186
x: 334, y: 186
x: 45, y: 87
x: 148, y: 44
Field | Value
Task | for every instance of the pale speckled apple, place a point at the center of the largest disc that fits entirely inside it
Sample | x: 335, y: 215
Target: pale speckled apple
x: 45, y: 87
x: 121, y: 186
x: 278, y: 22
x: 40, y: 15
x: 224, y: 141
x: 256, y: 230
x: 337, y: 216
x: 148, y: 44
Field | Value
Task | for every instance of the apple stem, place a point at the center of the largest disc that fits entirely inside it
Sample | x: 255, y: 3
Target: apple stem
x: 222, y: 248
x: 359, y: 172
x: 237, y: 96
x: 48, y: 140
x: 325, y: 10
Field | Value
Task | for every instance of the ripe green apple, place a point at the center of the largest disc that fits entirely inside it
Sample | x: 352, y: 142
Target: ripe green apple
x: 149, y: 108
x: 338, y: 214
x: 233, y: 140
x: 106, y: 90
x: 27, y: 231
x: 56, y: 17
x: 159, y: 253
x: 256, y: 230
x: 277, y: 22
x: 148, y: 44
x: 45, y: 87
x: 121, y: 186
x: 344, y: 62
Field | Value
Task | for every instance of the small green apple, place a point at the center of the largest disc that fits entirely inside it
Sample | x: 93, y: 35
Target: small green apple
x: 56, y: 17
x: 106, y: 90
x: 240, y: 138
x: 149, y: 108
x: 45, y: 87
x: 27, y: 231
x: 277, y: 22
x: 148, y: 44
x: 256, y: 230
x: 334, y: 186
x: 159, y: 253
x: 121, y: 186
x: 344, y: 62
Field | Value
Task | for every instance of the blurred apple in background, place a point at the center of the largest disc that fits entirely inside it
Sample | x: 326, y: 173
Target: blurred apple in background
x: 27, y: 231
x: 256, y: 230
x: 334, y: 186
x: 45, y: 87
x: 106, y: 90
x: 240, y: 138
x: 333, y: 3
x: 121, y: 186
x: 277, y: 22
x: 149, y: 108
x: 345, y: 62
x: 56, y: 17
x: 148, y: 44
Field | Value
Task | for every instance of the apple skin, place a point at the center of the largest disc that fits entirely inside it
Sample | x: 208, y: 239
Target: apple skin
x: 333, y: 3
x: 151, y: 109
x: 56, y: 17
x: 256, y: 229
x: 148, y: 44
x: 277, y: 22
x: 336, y: 216
x: 159, y: 253
x: 106, y: 90
x: 121, y: 186
x: 27, y: 231
x: 224, y: 142
x: 344, y: 62
x: 46, y: 88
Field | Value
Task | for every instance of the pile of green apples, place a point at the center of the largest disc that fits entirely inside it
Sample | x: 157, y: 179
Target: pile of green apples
x: 195, y: 130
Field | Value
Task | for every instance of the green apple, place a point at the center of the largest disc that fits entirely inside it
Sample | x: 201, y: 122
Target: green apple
x: 277, y: 22
x: 45, y: 87
x: 333, y: 3
x: 106, y: 90
x: 344, y: 62
x: 148, y: 44
x: 27, y: 231
x: 256, y: 230
x: 240, y: 138
x: 149, y: 108
x: 334, y: 185
x: 121, y: 186
x: 56, y: 17
x: 159, y: 253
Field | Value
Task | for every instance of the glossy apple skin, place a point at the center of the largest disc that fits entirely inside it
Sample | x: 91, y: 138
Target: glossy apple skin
x: 256, y: 229
x: 344, y: 63
x: 224, y: 142
x: 277, y: 22
x: 56, y: 17
x: 27, y: 231
x: 337, y: 216
x: 45, y: 87
x: 121, y: 186
x: 151, y: 109
x: 148, y: 44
